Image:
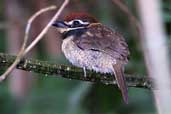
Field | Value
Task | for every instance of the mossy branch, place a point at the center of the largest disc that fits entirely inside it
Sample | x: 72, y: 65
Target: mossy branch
x: 70, y: 72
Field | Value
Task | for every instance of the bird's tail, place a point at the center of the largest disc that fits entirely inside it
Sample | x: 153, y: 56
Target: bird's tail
x: 119, y: 76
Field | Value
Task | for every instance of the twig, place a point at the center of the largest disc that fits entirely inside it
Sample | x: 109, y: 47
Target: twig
x: 24, y: 51
x: 132, y: 20
x: 71, y: 72
x: 40, y: 36
x: 131, y: 17
x: 21, y: 52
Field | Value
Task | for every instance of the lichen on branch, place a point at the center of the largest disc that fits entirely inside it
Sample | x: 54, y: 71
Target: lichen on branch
x: 70, y: 72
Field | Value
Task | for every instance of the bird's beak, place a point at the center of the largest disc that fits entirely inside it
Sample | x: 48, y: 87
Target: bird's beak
x: 61, y: 26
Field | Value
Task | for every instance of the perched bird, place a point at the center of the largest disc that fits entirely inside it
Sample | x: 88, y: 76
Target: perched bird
x: 91, y: 45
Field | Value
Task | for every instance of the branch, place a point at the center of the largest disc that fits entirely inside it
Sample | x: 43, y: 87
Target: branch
x: 21, y: 51
x: 71, y: 72
x: 46, y: 28
x: 133, y: 20
x: 24, y: 51
x: 156, y: 52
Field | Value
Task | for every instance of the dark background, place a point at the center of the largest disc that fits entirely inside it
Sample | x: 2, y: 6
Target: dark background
x: 30, y: 93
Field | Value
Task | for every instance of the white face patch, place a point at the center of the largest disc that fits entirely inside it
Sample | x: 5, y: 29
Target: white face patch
x: 62, y: 30
x: 73, y: 25
x: 77, y: 21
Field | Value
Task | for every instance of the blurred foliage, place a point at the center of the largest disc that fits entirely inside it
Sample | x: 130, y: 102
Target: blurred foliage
x: 60, y: 96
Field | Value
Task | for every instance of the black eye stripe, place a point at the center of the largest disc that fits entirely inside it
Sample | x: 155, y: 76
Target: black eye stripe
x: 76, y: 23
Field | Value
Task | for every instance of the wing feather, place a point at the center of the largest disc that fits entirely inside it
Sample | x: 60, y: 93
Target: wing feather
x: 101, y: 38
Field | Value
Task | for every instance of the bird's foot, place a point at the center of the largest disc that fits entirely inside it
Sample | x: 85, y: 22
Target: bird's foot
x: 85, y: 74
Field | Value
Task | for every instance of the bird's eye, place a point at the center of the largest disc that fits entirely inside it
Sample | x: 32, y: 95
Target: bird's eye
x: 76, y: 23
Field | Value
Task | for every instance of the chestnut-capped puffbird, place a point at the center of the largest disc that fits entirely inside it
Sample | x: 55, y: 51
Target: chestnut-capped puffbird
x: 89, y: 44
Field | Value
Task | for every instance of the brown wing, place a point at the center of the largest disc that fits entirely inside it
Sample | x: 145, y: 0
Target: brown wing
x: 100, y: 38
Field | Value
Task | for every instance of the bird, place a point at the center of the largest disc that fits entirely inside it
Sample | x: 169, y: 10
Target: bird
x: 91, y: 45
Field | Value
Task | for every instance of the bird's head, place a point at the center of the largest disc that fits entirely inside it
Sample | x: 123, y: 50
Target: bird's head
x: 74, y: 21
